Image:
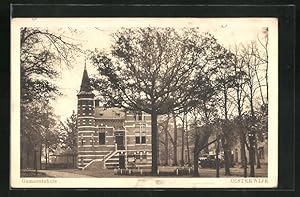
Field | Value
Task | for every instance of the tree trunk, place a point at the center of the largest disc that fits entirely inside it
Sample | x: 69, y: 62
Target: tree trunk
x: 46, y: 156
x: 188, y: 147
x: 175, y: 156
x: 154, y: 166
x: 27, y: 159
x: 226, y: 157
x: 252, y: 139
x: 217, y: 160
x: 182, y: 143
x: 251, y: 155
x: 196, y: 164
x: 166, y: 148
x: 225, y: 104
x: 258, y: 166
x: 251, y: 161
x: 40, y: 152
x: 175, y: 142
x: 243, y: 154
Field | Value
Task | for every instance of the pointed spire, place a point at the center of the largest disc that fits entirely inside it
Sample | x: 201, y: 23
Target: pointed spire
x: 85, y: 64
x: 85, y: 83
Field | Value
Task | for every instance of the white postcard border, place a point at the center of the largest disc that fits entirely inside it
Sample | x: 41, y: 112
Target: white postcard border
x: 145, y: 182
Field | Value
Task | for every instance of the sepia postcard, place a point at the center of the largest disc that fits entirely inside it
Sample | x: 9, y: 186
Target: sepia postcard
x: 144, y: 103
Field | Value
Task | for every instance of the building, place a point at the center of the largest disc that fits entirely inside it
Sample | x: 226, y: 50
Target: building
x: 110, y: 137
x: 189, y: 144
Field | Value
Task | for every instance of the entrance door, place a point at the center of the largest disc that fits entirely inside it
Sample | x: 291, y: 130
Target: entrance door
x: 122, y: 161
x: 120, y: 142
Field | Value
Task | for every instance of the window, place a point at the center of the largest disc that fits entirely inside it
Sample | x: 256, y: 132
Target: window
x: 140, y: 138
x: 102, y: 138
x: 137, y: 139
x: 138, y: 116
x: 143, y: 139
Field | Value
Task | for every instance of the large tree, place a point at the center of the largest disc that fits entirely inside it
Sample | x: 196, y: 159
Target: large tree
x: 263, y: 55
x: 42, y: 51
x: 154, y: 70
x: 49, y: 131
x: 39, y: 131
x: 252, y: 63
x: 225, y: 79
x: 238, y: 98
x: 68, y: 134
x: 41, y: 54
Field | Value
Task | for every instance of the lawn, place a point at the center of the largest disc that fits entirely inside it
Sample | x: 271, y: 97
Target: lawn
x: 166, y: 172
x: 31, y: 173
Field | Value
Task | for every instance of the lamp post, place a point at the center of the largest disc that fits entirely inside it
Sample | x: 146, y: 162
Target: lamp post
x: 35, y: 158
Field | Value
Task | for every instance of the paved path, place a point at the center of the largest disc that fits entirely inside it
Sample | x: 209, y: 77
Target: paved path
x: 61, y: 174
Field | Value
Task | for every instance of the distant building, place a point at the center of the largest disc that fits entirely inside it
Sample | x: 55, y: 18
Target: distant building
x: 110, y: 137
x: 189, y: 144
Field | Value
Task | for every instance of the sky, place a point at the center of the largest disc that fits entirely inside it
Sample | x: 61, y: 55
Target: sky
x: 95, y: 33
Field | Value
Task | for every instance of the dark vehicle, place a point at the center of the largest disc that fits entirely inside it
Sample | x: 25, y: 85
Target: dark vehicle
x: 209, y: 161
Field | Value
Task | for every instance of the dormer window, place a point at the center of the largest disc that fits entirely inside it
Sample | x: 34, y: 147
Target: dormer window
x: 138, y: 116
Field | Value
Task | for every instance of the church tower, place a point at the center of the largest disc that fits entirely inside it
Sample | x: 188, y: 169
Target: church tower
x: 85, y: 118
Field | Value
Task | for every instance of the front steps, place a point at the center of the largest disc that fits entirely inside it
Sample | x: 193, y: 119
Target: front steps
x: 111, y: 161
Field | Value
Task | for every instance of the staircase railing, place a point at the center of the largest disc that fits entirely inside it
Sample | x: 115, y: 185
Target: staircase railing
x: 107, y: 155
x: 111, y: 155
x: 91, y: 163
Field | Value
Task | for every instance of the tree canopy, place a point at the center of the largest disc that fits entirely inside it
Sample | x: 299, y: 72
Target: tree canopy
x: 42, y: 54
x: 153, y: 67
x: 155, y: 70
